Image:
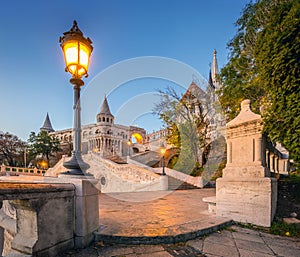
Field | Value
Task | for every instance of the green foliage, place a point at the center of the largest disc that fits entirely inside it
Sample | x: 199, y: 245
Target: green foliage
x: 185, y: 130
x: 197, y: 170
x: 284, y: 229
x: 264, y: 67
x: 43, y: 144
x: 277, y: 57
x: 11, y: 149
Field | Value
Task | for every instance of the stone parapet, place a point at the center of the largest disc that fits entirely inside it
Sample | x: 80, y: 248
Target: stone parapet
x: 44, y: 217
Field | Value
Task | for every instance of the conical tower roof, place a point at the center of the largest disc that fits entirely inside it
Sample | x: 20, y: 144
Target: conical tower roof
x: 105, y: 108
x: 47, y: 125
x: 210, y: 81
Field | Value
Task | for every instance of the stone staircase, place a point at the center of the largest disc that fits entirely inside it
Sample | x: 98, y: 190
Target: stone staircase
x: 176, y: 184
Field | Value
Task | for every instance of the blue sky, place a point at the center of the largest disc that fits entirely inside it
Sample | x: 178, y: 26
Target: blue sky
x: 32, y: 77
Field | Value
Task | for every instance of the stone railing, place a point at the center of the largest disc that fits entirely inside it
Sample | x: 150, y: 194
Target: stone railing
x: 47, y: 216
x: 195, y: 181
x: 277, y: 159
x: 58, y: 168
x: 8, y: 170
x: 129, y: 172
x: 36, y: 219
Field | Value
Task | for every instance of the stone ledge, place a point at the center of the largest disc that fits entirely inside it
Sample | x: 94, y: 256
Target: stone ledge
x: 212, y: 202
x: 21, y: 191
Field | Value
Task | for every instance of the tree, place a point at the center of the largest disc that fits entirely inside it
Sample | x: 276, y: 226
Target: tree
x: 264, y: 67
x: 43, y: 144
x: 186, y: 128
x: 277, y: 56
x: 11, y: 149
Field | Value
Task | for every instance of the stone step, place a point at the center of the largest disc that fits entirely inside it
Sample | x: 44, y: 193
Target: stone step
x: 176, y: 234
x: 176, y: 184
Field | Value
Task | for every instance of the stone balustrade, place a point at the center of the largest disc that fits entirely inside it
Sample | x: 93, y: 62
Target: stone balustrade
x: 277, y: 160
x: 43, y: 222
x: 8, y: 170
x: 46, y: 216
x: 130, y: 172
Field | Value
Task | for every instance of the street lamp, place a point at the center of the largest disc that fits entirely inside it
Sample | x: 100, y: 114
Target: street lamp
x: 129, y: 143
x: 77, y: 52
x: 162, y: 151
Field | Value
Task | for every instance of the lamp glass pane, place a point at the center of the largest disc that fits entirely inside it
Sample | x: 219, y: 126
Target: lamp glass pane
x: 71, y: 53
x: 81, y: 71
x: 84, y: 56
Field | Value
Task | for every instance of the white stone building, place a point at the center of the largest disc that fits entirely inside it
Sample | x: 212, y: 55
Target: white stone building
x: 104, y: 136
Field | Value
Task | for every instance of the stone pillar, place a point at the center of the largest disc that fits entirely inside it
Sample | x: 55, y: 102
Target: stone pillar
x: 86, y: 208
x: 246, y: 193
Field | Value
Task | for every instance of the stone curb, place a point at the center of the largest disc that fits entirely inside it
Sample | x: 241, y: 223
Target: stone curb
x: 154, y: 240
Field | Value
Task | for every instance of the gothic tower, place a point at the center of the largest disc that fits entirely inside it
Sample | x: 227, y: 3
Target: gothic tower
x: 47, y: 125
x: 105, y: 116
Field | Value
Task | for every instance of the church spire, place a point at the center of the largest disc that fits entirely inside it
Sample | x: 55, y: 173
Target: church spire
x: 215, y: 72
x: 105, y: 108
x: 47, y: 125
x: 214, y: 68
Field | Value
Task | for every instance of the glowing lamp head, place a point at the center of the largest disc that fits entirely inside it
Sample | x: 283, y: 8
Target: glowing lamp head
x: 129, y: 143
x: 77, y: 51
x: 162, y: 150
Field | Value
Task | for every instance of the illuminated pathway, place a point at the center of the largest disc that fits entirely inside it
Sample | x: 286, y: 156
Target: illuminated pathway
x: 156, y: 217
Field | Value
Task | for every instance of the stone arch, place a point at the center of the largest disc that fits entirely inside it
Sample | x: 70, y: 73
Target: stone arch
x: 171, y: 156
x: 135, y: 150
x: 137, y: 138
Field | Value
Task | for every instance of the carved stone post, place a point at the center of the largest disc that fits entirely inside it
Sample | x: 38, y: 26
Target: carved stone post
x: 246, y: 193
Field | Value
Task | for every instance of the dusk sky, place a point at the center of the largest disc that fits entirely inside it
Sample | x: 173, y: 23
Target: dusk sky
x: 32, y: 77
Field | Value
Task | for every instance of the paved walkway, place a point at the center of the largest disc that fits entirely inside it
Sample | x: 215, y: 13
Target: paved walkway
x: 141, y: 218
x: 156, y: 217
x: 231, y: 242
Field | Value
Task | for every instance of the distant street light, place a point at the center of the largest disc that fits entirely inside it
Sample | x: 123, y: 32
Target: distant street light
x: 162, y: 151
x: 129, y: 143
x: 77, y: 51
x: 25, y: 157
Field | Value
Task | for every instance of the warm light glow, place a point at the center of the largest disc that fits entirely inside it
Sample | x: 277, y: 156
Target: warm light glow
x: 129, y: 143
x: 162, y: 150
x: 44, y: 164
x: 138, y: 138
x: 77, y: 57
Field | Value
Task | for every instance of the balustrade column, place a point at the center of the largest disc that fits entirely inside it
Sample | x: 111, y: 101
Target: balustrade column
x: 258, y: 149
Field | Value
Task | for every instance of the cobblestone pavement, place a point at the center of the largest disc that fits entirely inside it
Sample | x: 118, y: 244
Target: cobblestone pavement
x: 231, y: 242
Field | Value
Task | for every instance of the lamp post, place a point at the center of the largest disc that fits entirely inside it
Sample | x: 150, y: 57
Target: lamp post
x: 77, y: 51
x: 162, y: 151
x: 129, y: 143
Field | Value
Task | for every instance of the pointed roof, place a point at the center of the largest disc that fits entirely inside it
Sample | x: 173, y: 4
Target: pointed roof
x: 105, y: 108
x: 214, y: 68
x: 210, y: 81
x: 47, y: 125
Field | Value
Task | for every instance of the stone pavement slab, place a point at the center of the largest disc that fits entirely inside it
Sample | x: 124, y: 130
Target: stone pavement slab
x: 227, y: 242
x: 160, y: 214
x: 156, y: 217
